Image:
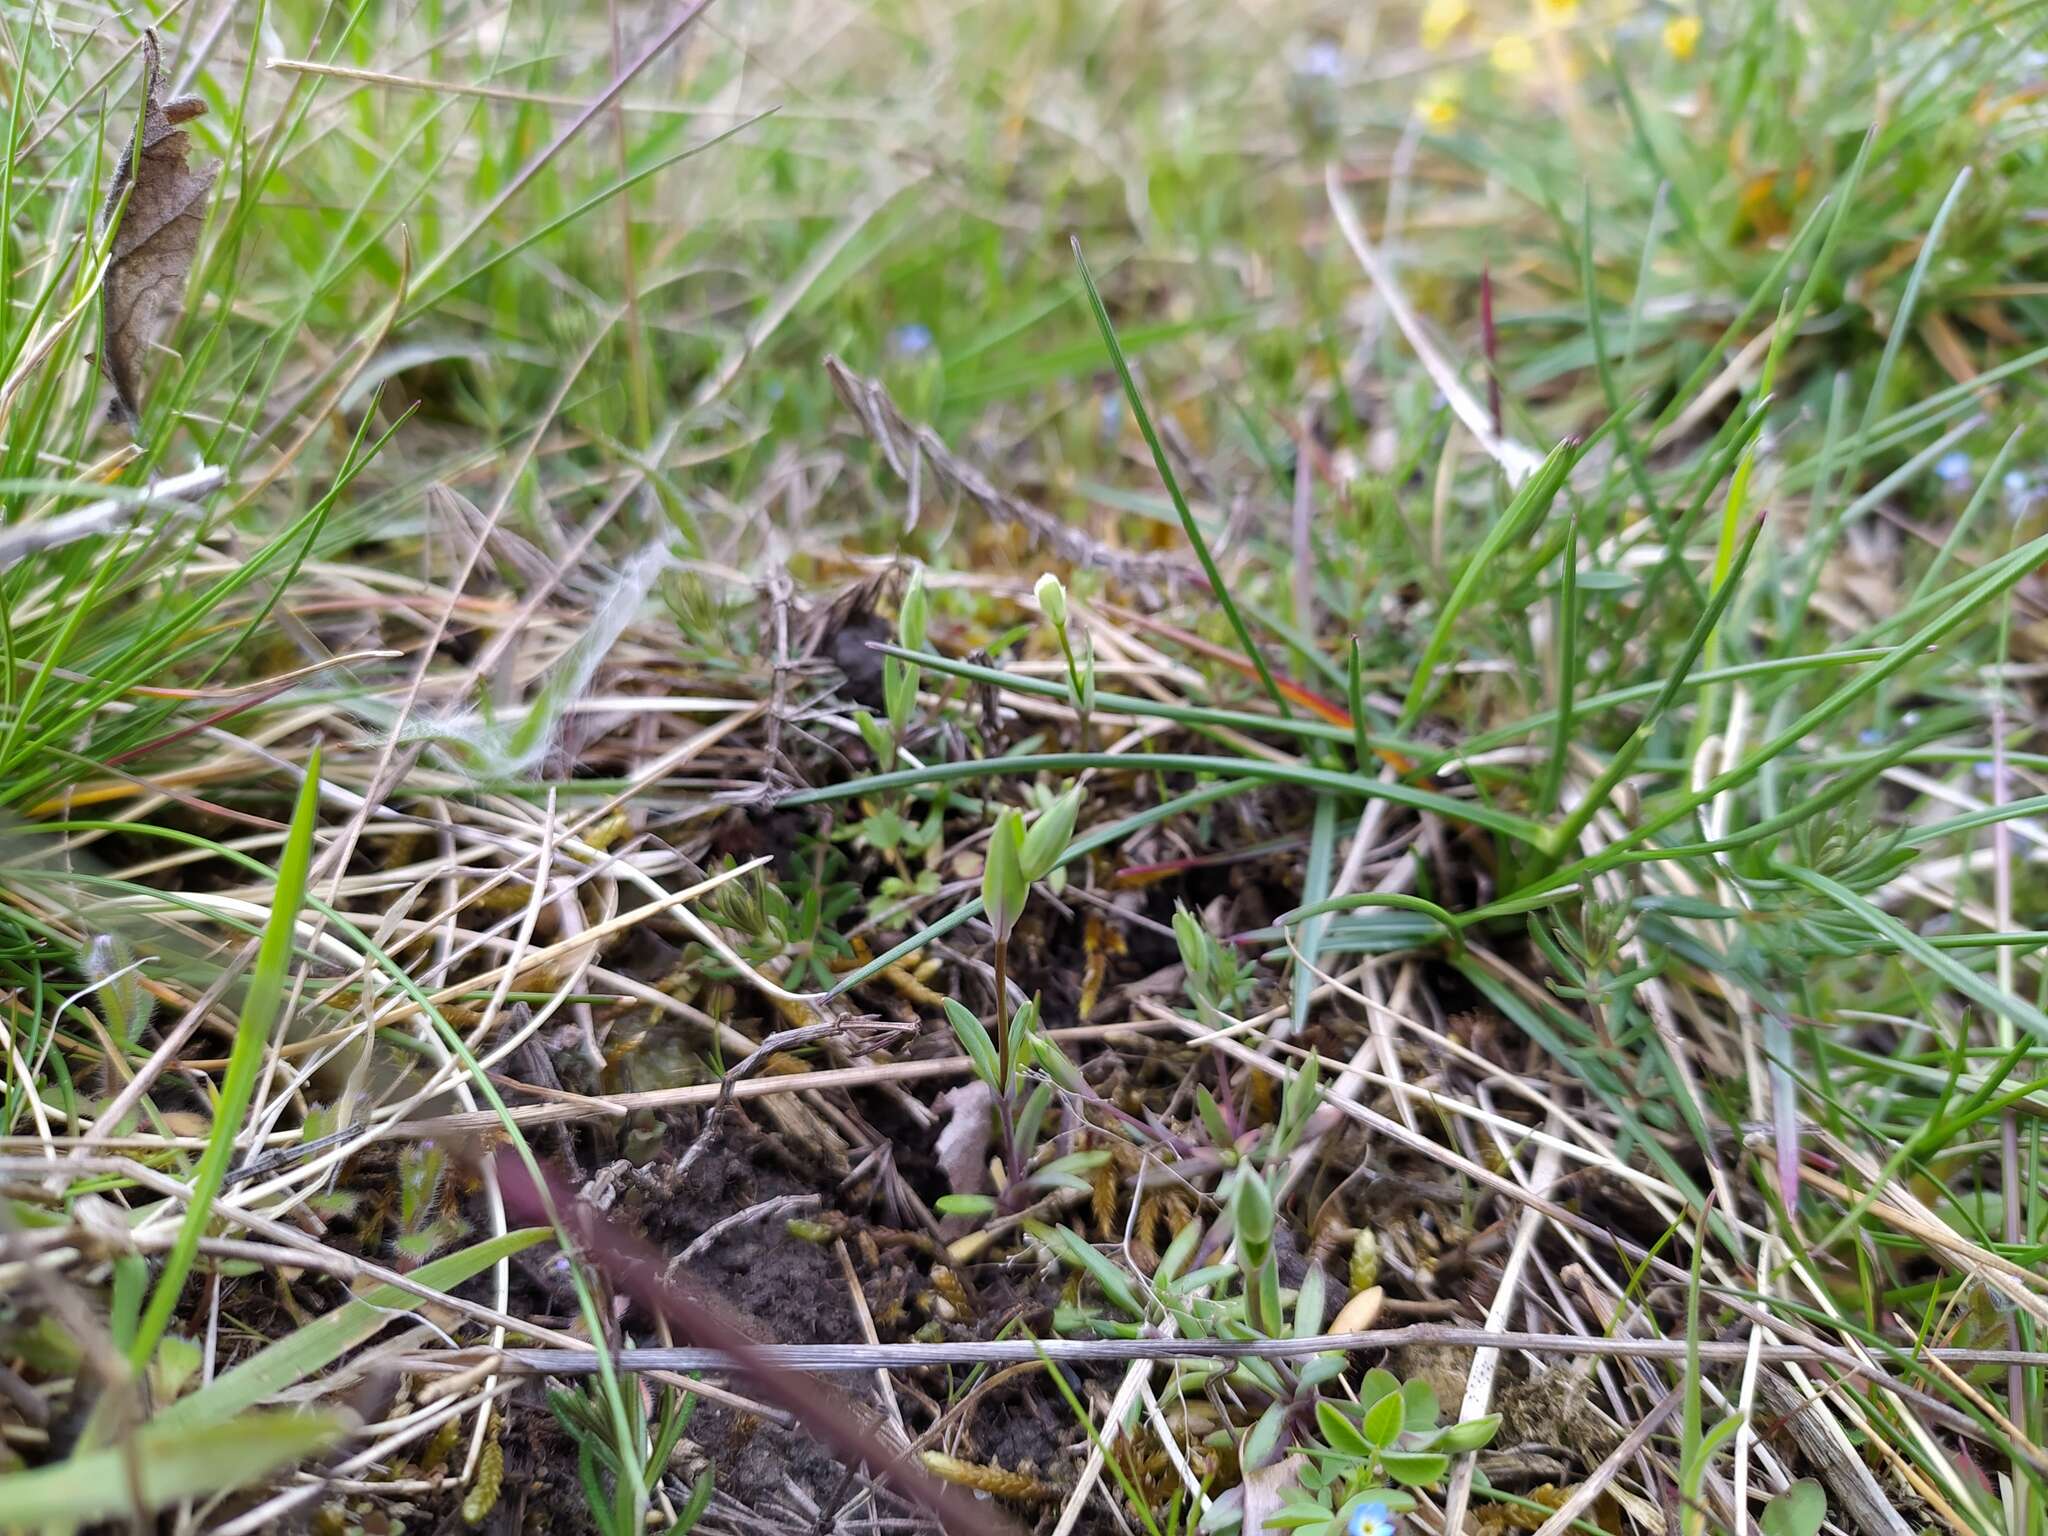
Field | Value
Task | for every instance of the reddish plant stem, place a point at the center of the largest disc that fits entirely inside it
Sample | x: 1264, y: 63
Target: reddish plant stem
x: 635, y: 1269
x: 1489, y: 339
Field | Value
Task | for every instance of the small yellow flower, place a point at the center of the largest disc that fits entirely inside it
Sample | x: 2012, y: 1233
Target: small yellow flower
x: 1441, y: 18
x: 1438, y: 107
x: 1556, y: 13
x: 1681, y: 36
x: 1514, y: 54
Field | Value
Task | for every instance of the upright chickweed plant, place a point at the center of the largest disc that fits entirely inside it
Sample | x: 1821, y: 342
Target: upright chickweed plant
x: 1018, y: 857
x: 1052, y: 602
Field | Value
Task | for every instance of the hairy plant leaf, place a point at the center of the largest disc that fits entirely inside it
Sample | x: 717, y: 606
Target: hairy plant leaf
x: 300, y: 1355
x: 155, y: 208
x: 170, y: 1462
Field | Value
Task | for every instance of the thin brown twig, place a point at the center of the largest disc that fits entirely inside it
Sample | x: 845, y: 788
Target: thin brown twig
x: 904, y: 442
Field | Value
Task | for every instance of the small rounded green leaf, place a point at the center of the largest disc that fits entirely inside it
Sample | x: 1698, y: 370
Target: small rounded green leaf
x: 1384, y: 1420
x: 1378, y: 1383
x: 1339, y: 1433
x: 965, y: 1205
x: 1472, y: 1435
x: 1415, y: 1469
x: 1798, y: 1511
x: 1419, y: 1405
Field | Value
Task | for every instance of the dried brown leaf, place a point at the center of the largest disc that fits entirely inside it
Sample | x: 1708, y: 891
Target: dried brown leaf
x: 160, y: 203
x: 1266, y: 1489
x: 963, y: 1143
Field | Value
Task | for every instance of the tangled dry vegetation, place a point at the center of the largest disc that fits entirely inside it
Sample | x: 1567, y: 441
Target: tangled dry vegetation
x: 700, y: 835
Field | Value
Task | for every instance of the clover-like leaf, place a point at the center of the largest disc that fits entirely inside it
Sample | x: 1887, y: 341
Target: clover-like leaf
x: 1415, y: 1469
x: 1383, y: 1420
x: 1339, y: 1433
x: 1419, y: 1405
x: 1472, y: 1435
x: 1798, y: 1511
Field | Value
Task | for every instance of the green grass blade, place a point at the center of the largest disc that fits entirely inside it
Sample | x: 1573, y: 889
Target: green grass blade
x: 172, y: 1464
x: 259, y: 1015
x: 1473, y: 813
x: 1188, y: 524
x: 1527, y: 509
x: 300, y: 1355
x: 1567, y: 672
x: 1624, y: 759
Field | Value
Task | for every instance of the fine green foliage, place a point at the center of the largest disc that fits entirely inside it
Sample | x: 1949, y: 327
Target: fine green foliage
x: 601, y: 1459
x: 1497, y: 614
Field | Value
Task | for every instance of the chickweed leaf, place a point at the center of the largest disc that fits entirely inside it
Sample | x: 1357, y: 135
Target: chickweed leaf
x: 1264, y: 1439
x: 1047, y: 840
x: 1114, y: 1283
x: 1308, y: 1305
x: 913, y: 618
x: 1178, y: 1252
x: 974, y: 1040
x: 1004, y: 887
x: 1212, y: 1119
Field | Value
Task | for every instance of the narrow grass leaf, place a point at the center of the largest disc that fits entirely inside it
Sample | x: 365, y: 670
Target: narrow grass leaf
x: 252, y: 1038
x: 1180, y: 503
x: 173, y: 1463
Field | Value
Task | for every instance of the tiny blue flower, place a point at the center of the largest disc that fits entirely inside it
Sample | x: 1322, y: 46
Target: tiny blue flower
x: 909, y: 340
x: 1111, y: 415
x: 2019, y: 485
x: 1870, y: 736
x: 1371, y: 1520
x: 1324, y: 60
x: 1953, y: 468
